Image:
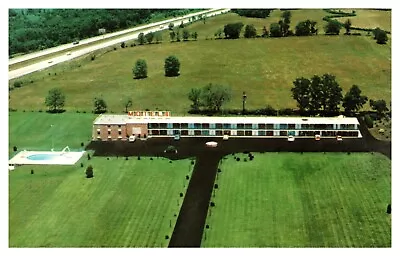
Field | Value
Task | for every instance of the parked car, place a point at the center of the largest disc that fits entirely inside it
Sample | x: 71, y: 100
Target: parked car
x: 225, y: 137
x: 76, y: 42
x: 317, y: 137
x: 339, y: 138
x: 290, y: 138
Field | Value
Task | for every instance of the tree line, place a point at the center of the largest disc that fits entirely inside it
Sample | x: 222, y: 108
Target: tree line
x: 38, y: 29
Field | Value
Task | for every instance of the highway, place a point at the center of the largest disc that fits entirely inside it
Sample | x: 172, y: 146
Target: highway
x: 74, y: 54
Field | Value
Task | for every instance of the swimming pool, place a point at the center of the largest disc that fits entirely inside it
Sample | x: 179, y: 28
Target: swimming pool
x: 46, y: 157
x: 42, y: 157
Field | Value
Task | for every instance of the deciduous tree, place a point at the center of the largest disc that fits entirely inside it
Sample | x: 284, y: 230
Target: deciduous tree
x: 149, y: 37
x: 195, y: 96
x: 214, y: 96
x: 250, y: 31
x: 347, y: 26
x: 172, y: 66
x: 127, y: 103
x: 100, y: 106
x: 333, y: 27
x: 140, y: 69
x: 379, y: 106
x: 232, y: 30
x: 141, y: 38
x: 353, y: 100
x: 301, y: 92
x: 55, y: 100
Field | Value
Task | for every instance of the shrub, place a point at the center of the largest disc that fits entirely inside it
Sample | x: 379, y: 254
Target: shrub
x: 187, y: 177
x: 17, y: 84
x: 389, y: 209
x: 212, y: 204
x: 166, y: 237
x: 15, y: 148
x: 82, y: 144
x: 81, y: 164
x: 126, y: 158
x: 216, y: 186
x: 207, y: 226
x: 89, y: 172
x: 138, y: 158
x: 180, y: 194
x: 32, y: 172
x: 368, y: 121
x: 88, y: 157
x: 93, y: 57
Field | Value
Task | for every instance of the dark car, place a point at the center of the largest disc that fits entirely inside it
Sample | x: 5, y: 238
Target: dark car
x: 76, y: 42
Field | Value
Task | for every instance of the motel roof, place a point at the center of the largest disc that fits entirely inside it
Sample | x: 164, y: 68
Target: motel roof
x: 125, y: 119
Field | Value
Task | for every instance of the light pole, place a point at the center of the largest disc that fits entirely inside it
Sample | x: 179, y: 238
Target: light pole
x: 52, y: 137
x: 244, y: 100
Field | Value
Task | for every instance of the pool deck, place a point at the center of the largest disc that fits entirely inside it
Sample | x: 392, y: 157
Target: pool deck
x: 57, y: 158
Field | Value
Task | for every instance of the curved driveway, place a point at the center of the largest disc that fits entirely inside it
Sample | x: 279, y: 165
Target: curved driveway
x: 74, y: 54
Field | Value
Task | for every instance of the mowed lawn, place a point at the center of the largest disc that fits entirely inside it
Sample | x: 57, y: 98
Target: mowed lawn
x: 40, y: 131
x: 264, y: 68
x: 309, y: 200
x: 128, y: 203
x: 366, y: 18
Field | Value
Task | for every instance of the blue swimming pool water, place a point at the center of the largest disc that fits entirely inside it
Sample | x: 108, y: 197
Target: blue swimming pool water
x: 42, y: 157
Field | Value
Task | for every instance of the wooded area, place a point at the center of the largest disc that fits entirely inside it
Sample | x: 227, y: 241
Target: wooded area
x: 37, y: 29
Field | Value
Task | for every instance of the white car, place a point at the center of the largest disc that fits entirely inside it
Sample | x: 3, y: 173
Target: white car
x: 290, y: 138
x: 317, y: 137
x: 339, y: 138
x: 225, y: 137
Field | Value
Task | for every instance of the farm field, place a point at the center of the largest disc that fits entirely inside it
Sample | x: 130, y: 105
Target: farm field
x: 128, y: 203
x: 309, y: 200
x: 265, y: 69
x: 369, y: 19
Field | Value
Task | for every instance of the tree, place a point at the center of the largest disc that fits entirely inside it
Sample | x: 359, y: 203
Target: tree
x: 333, y: 27
x: 275, y: 30
x: 89, y: 172
x: 172, y: 35
x: 353, y: 100
x: 214, y: 96
x: 149, y: 37
x: 100, y: 106
x: 265, y: 32
x: 195, y: 96
x: 301, y: 93
x: 194, y: 35
x: 219, y: 33
x: 333, y: 93
x: 379, y: 106
x: 253, y: 13
x: 141, y: 39
x: 185, y: 34
x: 55, y: 100
x: 140, y: 69
x: 123, y: 45
x: 285, y: 23
x: 286, y: 15
x: 250, y: 31
x: 178, y: 35
x: 232, y: 30
x: 380, y: 36
x: 172, y: 66
x: 347, y: 26
x: 127, y: 103
x: 181, y: 25
x: 158, y: 36
x: 303, y: 28
x: 170, y: 26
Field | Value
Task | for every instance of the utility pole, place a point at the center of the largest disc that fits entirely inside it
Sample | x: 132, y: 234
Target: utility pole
x: 244, y: 101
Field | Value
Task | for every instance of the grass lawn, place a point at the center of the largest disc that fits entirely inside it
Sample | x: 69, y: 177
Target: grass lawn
x: 264, y: 68
x: 309, y: 200
x: 127, y: 203
x: 370, y: 19
x: 33, y: 130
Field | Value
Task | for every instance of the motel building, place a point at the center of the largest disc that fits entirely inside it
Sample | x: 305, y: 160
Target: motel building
x: 151, y: 124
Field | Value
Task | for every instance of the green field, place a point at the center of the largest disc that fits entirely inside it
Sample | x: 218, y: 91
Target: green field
x: 366, y: 18
x: 33, y: 131
x: 129, y: 203
x: 309, y: 200
x: 264, y: 68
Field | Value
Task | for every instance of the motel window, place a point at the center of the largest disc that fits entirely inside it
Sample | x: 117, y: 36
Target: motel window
x: 305, y: 126
x: 227, y: 126
x: 169, y: 125
x: 176, y: 126
x: 184, y: 132
x: 212, y: 126
x: 240, y: 126
x: 218, y: 132
x: 163, y: 132
x: 282, y: 133
x: 176, y: 132
x: 119, y: 126
x: 119, y: 133
x: 261, y: 133
x: 163, y: 126
x: 205, y: 126
x: 248, y: 133
x: 240, y: 133
x: 218, y: 126
x: 98, y: 132
x: 197, y: 126
x: 108, y: 126
x: 248, y: 126
x: 197, y: 132
x: 155, y: 132
x: 154, y: 125
x: 205, y: 132
x: 109, y: 132
x: 191, y: 126
x: 292, y: 126
x: 184, y: 125
x: 228, y: 132
x: 270, y: 126
x: 283, y: 127
x: 270, y: 133
x: 329, y: 127
x: 261, y: 126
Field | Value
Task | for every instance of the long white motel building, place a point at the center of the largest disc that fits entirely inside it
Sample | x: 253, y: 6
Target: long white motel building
x: 146, y: 124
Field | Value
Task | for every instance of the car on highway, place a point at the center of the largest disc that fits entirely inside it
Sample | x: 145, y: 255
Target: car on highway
x: 50, y: 61
x: 75, y: 43
x: 68, y: 53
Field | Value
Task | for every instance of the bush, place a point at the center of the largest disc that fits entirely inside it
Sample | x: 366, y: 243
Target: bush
x: 180, y: 194
x: 89, y: 172
x: 212, y: 204
x: 93, y: 57
x: 32, y: 172
x: 81, y: 164
x: 17, y: 84
x: 368, y: 121
x: 138, y: 158
x: 15, y: 148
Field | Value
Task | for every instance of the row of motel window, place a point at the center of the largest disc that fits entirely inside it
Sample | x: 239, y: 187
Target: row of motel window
x: 253, y: 126
x: 252, y: 133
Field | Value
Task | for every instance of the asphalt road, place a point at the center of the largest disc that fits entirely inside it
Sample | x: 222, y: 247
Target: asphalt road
x: 74, y: 54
